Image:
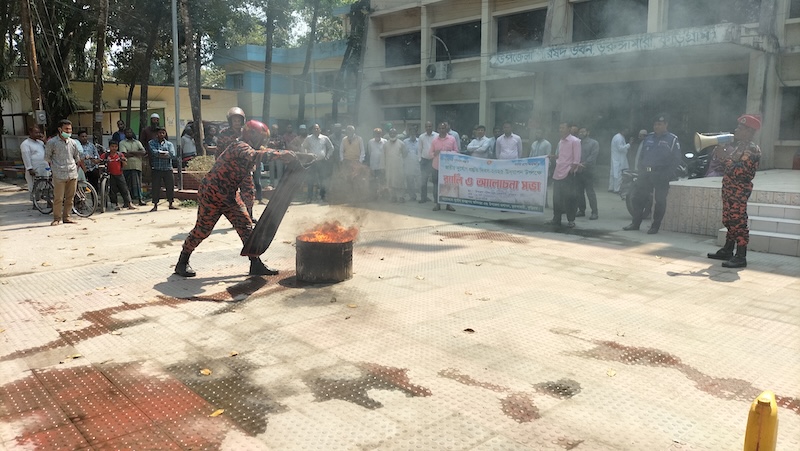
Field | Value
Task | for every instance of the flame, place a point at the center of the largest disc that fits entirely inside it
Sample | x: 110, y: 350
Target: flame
x: 329, y: 232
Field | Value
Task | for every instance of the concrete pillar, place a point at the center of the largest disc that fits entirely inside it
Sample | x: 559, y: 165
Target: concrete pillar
x: 487, y: 39
x: 657, y: 17
x: 763, y: 97
x: 558, y: 23
x: 425, y: 55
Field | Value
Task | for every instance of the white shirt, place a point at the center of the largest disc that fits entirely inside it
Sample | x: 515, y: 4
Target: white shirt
x: 33, y: 155
x: 188, y: 146
x: 376, y: 153
x: 541, y: 148
x: 425, y: 141
x: 618, y: 146
x: 479, y: 147
x: 508, y: 147
x: 321, y: 147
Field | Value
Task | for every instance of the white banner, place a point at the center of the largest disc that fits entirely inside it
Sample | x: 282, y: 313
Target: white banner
x: 512, y: 185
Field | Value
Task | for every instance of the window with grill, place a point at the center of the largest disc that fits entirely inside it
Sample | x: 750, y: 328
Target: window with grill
x: 698, y: 13
x: 462, y: 41
x: 402, y: 50
x: 395, y: 113
x: 520, y: 31
x: 598, y: 19
x: 794, y: 8
x: 236, y: 81
x: 790, y: 114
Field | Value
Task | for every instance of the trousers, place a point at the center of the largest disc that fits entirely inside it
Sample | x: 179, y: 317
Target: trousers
x: 585, y: 186
x: 211, y: 206
x: 63, y: 195
x: 656, y: 184
x: 564, y: 198
x: 165, y: 179
x: 734, y: 212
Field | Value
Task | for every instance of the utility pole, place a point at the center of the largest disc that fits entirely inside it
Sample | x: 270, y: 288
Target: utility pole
x: 33, y: 63
x: 270, y: 34
x: 99, y: 59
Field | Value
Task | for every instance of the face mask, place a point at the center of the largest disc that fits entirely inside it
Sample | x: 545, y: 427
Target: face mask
x: 66, y: 135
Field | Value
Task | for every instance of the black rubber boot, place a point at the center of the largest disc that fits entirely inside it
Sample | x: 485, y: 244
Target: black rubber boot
x: 725, y: 253
x: 739, y: 260
x: 258, y: 268
x: 182, y: 268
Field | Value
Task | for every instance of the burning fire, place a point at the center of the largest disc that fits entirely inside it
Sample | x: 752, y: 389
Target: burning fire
x: 329, y: 232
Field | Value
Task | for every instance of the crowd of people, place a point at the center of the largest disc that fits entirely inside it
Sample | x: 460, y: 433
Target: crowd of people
x: 394, y: 166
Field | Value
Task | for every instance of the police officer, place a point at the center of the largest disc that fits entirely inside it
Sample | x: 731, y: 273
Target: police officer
x: 740, y: 161
x: 657, y: 163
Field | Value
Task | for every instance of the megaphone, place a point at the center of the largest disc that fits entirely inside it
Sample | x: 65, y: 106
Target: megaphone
x: 703, y: 141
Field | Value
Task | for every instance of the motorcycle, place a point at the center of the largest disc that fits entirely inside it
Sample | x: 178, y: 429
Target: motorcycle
x: 692, y: 166
x: 626, y: 188
x: 697, y: 163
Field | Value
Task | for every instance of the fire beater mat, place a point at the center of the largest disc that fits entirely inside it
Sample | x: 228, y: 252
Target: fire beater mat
x: 267, y: 226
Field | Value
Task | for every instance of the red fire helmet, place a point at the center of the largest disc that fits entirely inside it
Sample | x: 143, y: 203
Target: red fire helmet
x: 255, y: 133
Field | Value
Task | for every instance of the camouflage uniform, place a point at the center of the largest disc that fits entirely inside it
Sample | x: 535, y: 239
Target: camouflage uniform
x: 737, y: 184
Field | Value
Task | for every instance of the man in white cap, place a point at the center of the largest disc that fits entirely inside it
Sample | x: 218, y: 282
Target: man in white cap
x: 150, y: 132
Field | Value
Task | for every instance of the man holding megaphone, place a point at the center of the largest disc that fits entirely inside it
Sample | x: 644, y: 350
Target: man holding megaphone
x: 740, y: 160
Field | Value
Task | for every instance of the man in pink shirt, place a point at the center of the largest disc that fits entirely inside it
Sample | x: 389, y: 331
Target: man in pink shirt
x: 564, y: 192
x: 443, y: 143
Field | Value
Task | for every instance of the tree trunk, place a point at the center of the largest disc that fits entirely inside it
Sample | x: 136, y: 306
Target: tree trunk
x: 312, y: 36
x: 270, y: 35
x: 360, y: 14
x: 130, y: 101
x: 99, y: 58
x: 33, y: 65
x: 145, y: 77
x: 199, y: 130
x: 191, y: 71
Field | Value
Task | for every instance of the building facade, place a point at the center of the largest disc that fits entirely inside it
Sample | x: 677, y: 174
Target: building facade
x: 161, y: 99
x: 244, y: 73
x: 606, y: 64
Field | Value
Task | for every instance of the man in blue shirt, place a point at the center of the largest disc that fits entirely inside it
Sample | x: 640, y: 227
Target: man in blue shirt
x: 162, y: 153
x: 90, y: 159
x: 657, y: 163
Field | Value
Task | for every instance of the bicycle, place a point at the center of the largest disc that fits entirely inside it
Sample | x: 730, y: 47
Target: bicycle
x: 83, y: 204
x: 105, y: 189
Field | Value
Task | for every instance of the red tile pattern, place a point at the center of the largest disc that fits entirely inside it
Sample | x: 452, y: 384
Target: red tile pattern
x: 117, y: 407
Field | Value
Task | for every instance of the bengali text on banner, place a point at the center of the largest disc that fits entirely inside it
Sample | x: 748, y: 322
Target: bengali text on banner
x: 512, y: 185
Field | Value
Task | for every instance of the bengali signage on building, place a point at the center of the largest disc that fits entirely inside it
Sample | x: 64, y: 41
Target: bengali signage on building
x: 686, y: 37
x: 512, y: 185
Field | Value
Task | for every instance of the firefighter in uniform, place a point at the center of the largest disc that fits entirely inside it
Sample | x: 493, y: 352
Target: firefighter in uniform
x: 236, y: 119
x: 740, y: 161
x: 657, y: 164
x: 218, y: 194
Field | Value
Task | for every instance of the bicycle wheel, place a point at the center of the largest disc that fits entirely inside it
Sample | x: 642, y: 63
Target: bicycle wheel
x: 43, y: 196
x: 105, y: 195
x: 85, y: 200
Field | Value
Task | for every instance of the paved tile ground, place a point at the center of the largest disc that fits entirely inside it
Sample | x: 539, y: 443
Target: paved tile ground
x: 471, y: 330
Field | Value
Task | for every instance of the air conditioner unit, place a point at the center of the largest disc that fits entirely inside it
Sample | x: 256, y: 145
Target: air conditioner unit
x: 439, y: 70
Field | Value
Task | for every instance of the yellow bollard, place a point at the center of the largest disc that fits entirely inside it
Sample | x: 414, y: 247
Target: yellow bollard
x: 762, y: 424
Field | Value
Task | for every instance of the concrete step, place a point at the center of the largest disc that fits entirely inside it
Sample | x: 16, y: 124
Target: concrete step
x: 775, y: 225
x: 770, y: 242
x: 773, y: 210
